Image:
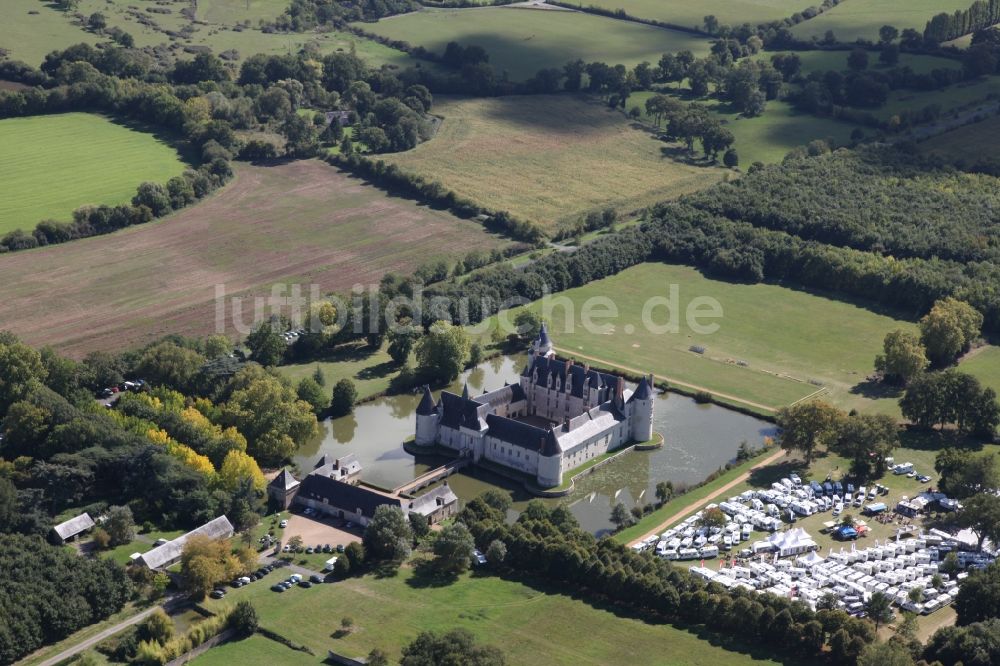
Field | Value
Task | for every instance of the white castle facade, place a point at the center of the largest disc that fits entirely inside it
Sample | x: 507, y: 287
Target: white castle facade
x: 558, y: 416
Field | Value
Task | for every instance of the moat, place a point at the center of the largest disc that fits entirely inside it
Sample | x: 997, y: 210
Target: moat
x: 698, y: 440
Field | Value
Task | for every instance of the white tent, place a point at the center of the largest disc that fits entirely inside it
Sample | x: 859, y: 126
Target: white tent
x: 810, y: 559
x: 793, y: 542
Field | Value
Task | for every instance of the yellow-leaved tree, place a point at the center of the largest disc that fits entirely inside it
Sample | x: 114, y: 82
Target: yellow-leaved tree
x: 236, y: 468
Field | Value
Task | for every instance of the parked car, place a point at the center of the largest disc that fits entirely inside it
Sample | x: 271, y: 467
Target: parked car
x: 305, y: 583
x: 478, y: 558
x: 217, y: 593
x: 315, y: 578
x: 283, y: 524
x: 278, y: 587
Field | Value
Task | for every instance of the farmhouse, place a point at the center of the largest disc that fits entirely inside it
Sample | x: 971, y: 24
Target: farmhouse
x: 558, y: 416
x: 72, y: 528
x: 169, y: 553
x: 334, y: 489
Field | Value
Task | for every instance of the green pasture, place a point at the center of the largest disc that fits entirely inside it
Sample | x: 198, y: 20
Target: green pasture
x: 523, y: 41
x: 985, y: 365
x: 55, y: 164
x: 797, y: 337
x: 692, y: 14
x: 530, y: 625
x: 821, y: 61
x: 967, y: 142
x: 29, y: 36
x: 946, y: 99
x: 255, y: 651
x: 768, y: 137
x: 861, y: 19
x: 229, y: 12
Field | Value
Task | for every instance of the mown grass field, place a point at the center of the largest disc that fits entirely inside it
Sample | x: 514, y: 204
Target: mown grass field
x: 254, y: 651
x: 302, y: 222
x: 853, y: 20
x: 796, y: 335
x: 549, y: 158
x: 768, y: 137
x: 967, y: 142
x: 985, y: 365
x: 531, y: 626
x: 55, y: 164
x: 692, y: 14
x: 523, y: 41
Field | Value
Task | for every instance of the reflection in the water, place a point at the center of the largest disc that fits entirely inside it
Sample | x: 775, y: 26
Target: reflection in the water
x: 698, y: 440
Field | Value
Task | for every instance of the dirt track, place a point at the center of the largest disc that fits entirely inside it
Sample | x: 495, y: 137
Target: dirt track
x: 302, y: 222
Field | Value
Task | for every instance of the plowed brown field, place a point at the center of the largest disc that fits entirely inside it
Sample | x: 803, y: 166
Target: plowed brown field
x: 303, y: 222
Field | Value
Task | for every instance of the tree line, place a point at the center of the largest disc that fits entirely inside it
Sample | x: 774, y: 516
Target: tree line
x: 980, y: 15
x: 549, y: 544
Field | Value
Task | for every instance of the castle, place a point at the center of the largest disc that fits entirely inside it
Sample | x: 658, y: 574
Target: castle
x: 558, y: 416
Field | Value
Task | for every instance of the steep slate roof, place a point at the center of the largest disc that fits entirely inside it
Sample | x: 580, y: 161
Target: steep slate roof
x: 523, y: 434
x: 426, y: 406
x: 220, y: 528
x: 543, y: 336
x: 74, y: 526
x: 459, y: 412
x: 553, y: 367
x: 427, y: 503
x: 284, y: 481
x: 344, y: 495
x: 642, y: 391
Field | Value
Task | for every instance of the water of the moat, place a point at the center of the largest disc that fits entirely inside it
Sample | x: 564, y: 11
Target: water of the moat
x: 698, y: 440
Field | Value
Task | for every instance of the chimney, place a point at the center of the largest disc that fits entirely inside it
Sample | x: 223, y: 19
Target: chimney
x: 620, y: 391
x: 566, y: 424
x: 586, y: 368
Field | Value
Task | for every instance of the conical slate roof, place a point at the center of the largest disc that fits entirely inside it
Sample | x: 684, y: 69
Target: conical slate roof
x: 465, y: 391
x: 543, y: 336
x: 426, y: 405
x: 285, y: 480
x: 642, y: 391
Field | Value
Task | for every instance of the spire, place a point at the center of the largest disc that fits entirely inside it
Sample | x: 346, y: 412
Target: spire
x: 542, y: 345
x: 642, y: 391
x: 465, y: 391
x: 426, y: 405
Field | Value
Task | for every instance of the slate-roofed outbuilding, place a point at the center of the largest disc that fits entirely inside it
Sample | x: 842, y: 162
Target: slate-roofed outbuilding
x: 74, y: 526
x: 284, y: 481
x: 170, y: 552
x: 344, y: 496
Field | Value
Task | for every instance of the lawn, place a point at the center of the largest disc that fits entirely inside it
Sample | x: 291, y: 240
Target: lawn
x: 797, y: 338
x: 523, y: 41
x: 967, y: 142
x: 984, y: 364
x: 302, y: 223
x: 370, y: 370
x: 255, y: 651
x: 768, y: 137
x: 692, y: 14
x: 549, y: 158
x: 531, y: 626
x: 861, y: 19
x: 55, y: 164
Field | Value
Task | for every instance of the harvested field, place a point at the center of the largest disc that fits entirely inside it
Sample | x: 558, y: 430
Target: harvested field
x: 302, y: 222
x: 549, y: 158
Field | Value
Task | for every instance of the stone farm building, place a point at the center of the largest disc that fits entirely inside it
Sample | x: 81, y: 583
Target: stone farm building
x: 72, y: 528
x: 334, y: 489
x: 169, y: 553
x: 558, y: 416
